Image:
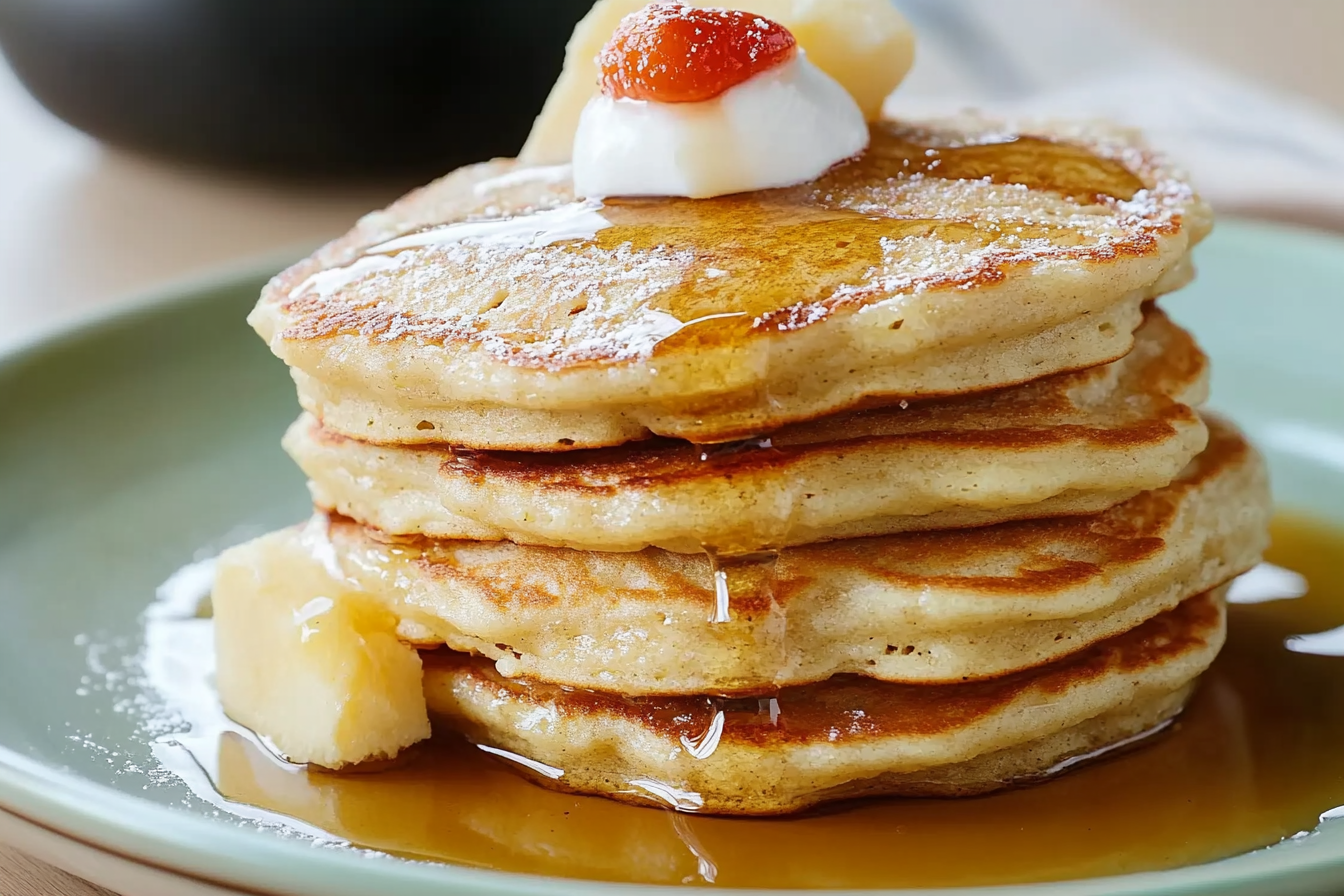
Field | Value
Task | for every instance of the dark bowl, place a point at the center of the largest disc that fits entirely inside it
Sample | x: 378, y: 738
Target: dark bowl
x: 378, y: 89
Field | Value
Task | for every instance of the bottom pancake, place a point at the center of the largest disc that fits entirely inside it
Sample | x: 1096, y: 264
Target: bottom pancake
x: 846, y: 737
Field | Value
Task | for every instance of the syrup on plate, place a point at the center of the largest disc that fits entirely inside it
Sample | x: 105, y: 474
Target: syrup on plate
x: 1256, y: 758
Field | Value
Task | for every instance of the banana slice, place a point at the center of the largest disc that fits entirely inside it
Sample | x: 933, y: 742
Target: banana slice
x: 309, y: 661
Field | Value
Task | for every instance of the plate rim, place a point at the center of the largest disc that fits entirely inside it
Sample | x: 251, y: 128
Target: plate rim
x: 217, y: 853
x: 202, y: 849
x: 120, y: 306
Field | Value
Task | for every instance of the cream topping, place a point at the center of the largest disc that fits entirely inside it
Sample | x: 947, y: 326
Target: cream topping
x: 784, y: 126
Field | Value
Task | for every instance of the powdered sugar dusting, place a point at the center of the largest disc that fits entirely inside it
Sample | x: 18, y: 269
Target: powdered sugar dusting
x: 932, y: 209
x: 165, y: 683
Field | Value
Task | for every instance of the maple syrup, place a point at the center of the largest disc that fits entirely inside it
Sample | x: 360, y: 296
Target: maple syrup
x: 744, y: 602
x: 1257, y: 757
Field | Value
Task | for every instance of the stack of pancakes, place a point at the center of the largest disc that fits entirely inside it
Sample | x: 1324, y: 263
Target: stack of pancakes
x: 893, y: 482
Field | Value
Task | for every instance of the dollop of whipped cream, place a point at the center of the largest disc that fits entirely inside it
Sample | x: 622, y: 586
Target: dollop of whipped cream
x: 706, y: 102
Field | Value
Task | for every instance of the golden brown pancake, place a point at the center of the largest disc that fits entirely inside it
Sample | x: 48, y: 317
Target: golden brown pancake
x: 492, y: 309
x: 842, y: 738
x: 1071, y: 443
x: 919, y: 607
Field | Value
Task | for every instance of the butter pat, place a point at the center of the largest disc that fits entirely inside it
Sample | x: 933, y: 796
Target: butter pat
x: 865, y: 45
x: 308, y: 662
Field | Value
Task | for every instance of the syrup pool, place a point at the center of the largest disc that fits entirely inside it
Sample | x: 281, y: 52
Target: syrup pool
x: 1257, y: 757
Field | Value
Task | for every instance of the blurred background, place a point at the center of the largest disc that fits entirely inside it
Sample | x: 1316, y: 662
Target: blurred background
x: 210, y: 133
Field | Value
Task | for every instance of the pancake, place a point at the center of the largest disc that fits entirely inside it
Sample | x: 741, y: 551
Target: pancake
x: 847, y: 737
x: 493, y: 310
x: 1068, y: 444
x: 919, y: 607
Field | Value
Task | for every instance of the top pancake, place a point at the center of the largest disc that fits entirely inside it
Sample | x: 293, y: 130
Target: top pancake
x: 1065, y: 444
x: 493, y: 310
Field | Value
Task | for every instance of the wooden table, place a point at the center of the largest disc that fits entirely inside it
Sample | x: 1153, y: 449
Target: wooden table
x: 22, y: 876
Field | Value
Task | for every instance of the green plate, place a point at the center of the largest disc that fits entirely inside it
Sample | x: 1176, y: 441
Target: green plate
x: 131, y: 444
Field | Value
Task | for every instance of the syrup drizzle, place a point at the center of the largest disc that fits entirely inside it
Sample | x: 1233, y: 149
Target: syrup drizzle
x: 1258, y: 757
x: 746, y: 610
x: 576, y: 221
x: 716, y: 450
x: 747, y: 578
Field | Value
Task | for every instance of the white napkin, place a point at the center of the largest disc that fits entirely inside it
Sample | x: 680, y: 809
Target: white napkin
x: 1252, y: 150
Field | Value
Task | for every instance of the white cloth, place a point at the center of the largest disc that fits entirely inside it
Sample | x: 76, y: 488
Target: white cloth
x: 1250, y: 149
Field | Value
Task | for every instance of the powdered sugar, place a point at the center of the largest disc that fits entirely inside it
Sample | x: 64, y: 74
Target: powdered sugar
x: 527, y: 290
